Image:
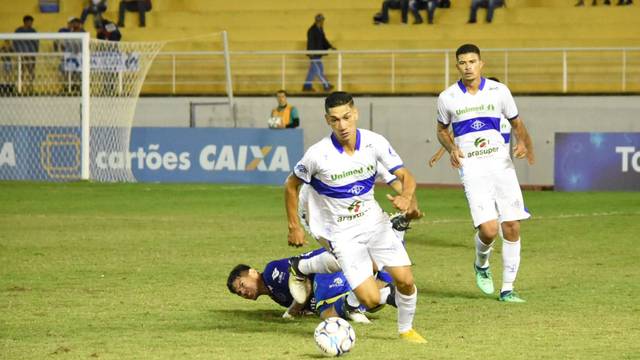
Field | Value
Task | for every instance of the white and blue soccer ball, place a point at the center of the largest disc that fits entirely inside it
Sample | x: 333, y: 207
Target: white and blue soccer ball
x: 334, y: 336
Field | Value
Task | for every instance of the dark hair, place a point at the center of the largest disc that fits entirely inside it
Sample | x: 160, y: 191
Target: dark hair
x: 466, y: 49
x: 282, y: 91
x: 27, y: 18
x: 494, y: 79
x: 234, y: 274
x: 337, y: 98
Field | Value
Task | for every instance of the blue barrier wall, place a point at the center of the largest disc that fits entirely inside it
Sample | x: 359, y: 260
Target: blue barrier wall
x: 597, y: 161
x: 252, y: 156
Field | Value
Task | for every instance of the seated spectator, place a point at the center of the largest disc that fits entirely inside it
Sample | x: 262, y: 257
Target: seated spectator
x: 444, y: 4
x: 430, y: 5
x: 141, y: 6
x: 624, y: 2
x: 490, y: 5
x: 96, y: 8
x: 383, y: 16
x: 593, y: 3
x: 28, y: 63
x: 108, y: 31
x: 285, y: 116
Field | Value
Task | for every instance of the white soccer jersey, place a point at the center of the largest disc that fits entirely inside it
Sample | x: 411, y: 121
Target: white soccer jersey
x: 476, y: 122
x: 342, y: 201
x: 382, y: 175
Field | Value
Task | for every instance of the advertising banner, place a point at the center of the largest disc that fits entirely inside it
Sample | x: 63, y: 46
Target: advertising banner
x: 597, y: 161
x: 219, y: 155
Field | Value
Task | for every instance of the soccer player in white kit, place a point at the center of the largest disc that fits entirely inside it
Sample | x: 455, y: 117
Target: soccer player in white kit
x: 341, y: 169
x: 473, y: 106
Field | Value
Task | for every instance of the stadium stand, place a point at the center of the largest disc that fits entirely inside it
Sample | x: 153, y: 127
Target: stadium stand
x: 281, y: 25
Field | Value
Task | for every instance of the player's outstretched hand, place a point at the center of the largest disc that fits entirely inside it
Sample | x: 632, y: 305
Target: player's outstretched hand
x: 456, y: 155
x: 296, y: 237
x: 399, y: 202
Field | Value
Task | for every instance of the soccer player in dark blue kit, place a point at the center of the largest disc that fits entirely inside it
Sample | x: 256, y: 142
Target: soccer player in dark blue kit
x: 329, y: 290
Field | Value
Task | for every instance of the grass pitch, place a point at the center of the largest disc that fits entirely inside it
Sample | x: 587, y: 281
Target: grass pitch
x: 138, y: 271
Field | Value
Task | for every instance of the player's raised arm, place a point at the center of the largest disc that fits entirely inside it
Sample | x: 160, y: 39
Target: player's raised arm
x: 524, y: 145
x: 296, y: 234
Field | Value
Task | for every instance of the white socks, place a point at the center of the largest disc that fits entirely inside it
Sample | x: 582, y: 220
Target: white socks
x: 406, y: 310
x: 325, y: 263
x: 482, y: 252
x: 510, y: 263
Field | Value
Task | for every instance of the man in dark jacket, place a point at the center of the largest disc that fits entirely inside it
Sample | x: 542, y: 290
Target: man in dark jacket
x: 317, y: 41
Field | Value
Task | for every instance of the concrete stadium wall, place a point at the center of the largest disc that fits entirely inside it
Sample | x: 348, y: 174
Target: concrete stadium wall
x: 409, y: 124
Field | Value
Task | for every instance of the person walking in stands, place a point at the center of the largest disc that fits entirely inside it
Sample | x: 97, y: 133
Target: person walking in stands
x: 141, y: 6
x: 286, y: 113
x: 316, y: 40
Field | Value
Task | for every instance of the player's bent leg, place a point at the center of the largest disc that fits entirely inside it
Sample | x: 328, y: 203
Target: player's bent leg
x: 298, y: 282
x: 368, y: 293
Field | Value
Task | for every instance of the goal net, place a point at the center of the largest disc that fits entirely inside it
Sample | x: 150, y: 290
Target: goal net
x: 67, y: 104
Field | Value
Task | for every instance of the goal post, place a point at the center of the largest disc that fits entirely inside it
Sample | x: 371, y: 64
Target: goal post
x: 67, y: 101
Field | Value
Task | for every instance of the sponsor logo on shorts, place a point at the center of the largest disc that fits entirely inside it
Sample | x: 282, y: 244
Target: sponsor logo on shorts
x: 337, y: 282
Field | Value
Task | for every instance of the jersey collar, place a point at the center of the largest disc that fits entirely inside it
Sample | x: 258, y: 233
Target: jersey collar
x: 339, y: 147
x: 464, y: 88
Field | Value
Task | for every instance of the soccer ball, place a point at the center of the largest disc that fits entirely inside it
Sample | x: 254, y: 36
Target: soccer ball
x: 274, y: 122
x: 334, y: 336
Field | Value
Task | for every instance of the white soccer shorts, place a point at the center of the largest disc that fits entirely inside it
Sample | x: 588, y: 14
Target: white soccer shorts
x: 355, y: 254
x: 494, y: 196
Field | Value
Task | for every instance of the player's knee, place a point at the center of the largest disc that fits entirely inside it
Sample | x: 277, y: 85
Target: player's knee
x: 405, y: 284
x: 370, y: 300
x: 488, y: 231
x: 511, y: 230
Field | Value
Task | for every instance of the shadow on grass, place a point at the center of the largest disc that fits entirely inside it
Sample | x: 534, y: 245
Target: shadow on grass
x: 431, y: 293
x: 256, y: 321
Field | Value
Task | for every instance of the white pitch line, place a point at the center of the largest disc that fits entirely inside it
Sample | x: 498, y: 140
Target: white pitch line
x: 537, y: 217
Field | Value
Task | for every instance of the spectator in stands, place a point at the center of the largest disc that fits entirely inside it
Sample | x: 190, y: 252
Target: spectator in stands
x: 490, y: 5
x: 108, y: 31
x: 285, y: 116
x: 7, y: 85
x: 96, y: 8
x: 444, y: 4
x: 625, y: 2
x: 316, y: 40
x: 141, y: 6
x: 73, y: 25
x: 28, y: 63
x: 430, y: 5
x: 383, y: 16
x: 70, y: 61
